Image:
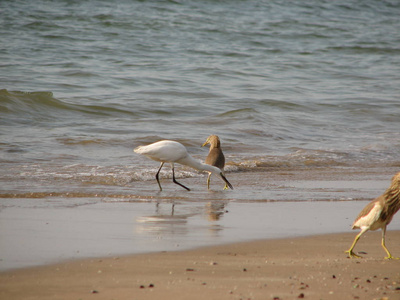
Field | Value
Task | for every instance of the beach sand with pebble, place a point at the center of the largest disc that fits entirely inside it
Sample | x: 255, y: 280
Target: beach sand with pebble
x: 313, y: 267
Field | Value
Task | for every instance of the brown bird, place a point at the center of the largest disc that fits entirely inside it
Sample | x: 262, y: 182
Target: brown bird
x: 215, y: 157
x: 378, y: 214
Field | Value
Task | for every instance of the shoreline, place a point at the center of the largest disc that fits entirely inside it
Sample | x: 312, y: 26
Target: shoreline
x: 39, y: 231
x: 312, y: 267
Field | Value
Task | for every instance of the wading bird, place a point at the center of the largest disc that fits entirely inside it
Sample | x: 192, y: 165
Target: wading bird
x: 215, y: 156
x: 174, y: 152
x: 378, y: 214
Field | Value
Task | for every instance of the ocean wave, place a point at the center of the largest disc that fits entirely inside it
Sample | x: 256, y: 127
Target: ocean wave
x: 145, y: 170
x: 80, y: 180
x: 357, y: 49
x: 44, y: 105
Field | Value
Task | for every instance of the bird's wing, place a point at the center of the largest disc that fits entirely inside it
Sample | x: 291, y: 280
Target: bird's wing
x: 369, y: 215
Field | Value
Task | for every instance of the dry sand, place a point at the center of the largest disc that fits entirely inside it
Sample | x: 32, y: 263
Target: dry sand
x: 311, y: 268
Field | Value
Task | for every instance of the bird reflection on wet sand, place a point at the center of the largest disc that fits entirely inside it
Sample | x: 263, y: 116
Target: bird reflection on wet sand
x: 171, y: 219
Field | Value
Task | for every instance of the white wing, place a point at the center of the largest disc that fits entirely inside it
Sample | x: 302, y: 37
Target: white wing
x: 370, y: 220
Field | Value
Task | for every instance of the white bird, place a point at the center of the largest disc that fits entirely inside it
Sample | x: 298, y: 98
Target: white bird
x: 174, y: 152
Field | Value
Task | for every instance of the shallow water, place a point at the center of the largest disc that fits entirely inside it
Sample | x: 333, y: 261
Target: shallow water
x: 290, y: 88
x: 56, y: 228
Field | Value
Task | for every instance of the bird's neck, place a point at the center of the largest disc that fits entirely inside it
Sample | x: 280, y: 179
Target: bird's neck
x: 194, y: 163
x: 392, y: 199
x: 214, y: 146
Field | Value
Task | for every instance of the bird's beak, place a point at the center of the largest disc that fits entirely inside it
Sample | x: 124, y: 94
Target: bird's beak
x: 226, y: 181
x: 204, y: 144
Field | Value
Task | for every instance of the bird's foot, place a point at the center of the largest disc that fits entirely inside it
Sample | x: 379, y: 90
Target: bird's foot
x: 391, y: 257
x: 226, y: 187
x: 352, y: 254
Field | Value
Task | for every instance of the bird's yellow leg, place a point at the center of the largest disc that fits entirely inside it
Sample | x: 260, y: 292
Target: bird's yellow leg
x: 208, y: 181
x: 386, y: 249
x: 350, y: 251
x: 388, y: 253
x: 226, y: 185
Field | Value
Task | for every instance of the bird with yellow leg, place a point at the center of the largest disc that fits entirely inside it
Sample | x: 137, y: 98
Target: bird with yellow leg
x: 378, y: 214
x: 215, y: 156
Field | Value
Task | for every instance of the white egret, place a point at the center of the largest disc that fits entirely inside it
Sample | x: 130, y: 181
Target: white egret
x: 174, y: 152
x: 378, y: 214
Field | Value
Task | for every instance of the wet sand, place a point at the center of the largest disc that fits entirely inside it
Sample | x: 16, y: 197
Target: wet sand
x: 138, y: 244
x: 139, y: 219
x: 294, y: 268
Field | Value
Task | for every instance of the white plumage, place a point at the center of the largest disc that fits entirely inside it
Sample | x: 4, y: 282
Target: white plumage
x: 174, y: 152
x: 163, y: 151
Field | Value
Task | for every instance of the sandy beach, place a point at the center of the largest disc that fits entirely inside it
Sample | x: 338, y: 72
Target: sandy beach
x: 281, y: 240
x: 313, y: 267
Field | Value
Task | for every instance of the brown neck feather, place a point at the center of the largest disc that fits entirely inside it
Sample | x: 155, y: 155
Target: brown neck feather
x: 392, y: 200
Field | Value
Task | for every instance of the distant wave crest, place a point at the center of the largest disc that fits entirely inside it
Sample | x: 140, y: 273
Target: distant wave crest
x: 42, y: 104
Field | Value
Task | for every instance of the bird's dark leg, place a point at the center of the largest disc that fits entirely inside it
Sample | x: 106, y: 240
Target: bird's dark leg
x: 158, y: 172
x: 226, y: 181
x: 384, y: 246
x: 174, y: 180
